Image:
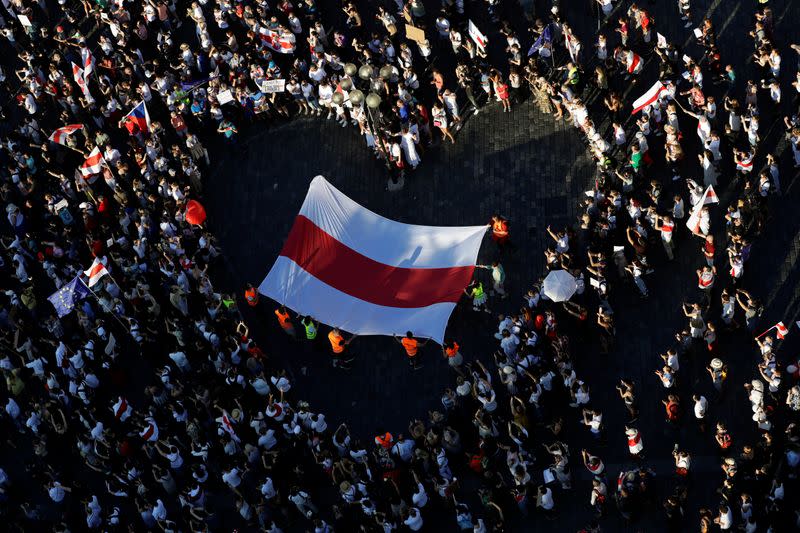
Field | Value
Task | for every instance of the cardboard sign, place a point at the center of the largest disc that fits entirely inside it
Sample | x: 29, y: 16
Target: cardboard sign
x: 224, y: 97
x: 415, y: 34
x: 273, y: 86
x: 480, y: 39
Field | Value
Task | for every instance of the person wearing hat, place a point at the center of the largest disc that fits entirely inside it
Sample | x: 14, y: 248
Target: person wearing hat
x: 719, y: 373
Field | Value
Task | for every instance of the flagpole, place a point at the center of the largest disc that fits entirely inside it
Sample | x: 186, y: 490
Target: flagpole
x: 121, y: 323
x: 767, y: 331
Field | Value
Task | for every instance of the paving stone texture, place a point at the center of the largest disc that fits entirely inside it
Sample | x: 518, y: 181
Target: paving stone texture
x: 533, y: 170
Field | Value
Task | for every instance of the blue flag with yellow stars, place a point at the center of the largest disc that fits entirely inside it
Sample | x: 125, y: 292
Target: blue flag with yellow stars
x: 65, y: 298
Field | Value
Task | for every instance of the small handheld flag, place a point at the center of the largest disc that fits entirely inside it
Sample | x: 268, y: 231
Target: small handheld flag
x: 60, y: 135
x: 93, y: 164
x: 95, y: 272
x: 138, y: 119
x: 65, y: 298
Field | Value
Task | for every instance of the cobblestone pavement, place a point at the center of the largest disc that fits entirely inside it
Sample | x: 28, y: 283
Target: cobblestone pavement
x: 533, y: 170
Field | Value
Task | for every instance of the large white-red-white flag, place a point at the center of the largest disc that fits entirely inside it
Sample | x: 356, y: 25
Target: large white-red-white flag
x: 354, y: 269
x: 652, y: 94
x: 94, y: 163
x: 95, y: 272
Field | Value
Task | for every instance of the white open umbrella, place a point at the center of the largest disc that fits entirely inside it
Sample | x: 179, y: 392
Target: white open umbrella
x: 559, y: 285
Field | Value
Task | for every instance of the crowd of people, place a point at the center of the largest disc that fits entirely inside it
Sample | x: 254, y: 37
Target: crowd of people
x: 135, y: 95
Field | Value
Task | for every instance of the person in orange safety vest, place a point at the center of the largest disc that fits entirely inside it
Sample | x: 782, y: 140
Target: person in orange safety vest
x: 251, y: 295
x: 412, y: 347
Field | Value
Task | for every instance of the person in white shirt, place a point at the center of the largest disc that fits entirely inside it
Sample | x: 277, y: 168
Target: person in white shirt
x: 58, y: 492
x: 545, y: 500
x: 159, y: 511
x: 725, y: 518
x: 413, y: 519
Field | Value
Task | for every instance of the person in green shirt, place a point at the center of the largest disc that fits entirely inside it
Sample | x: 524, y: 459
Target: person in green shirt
x: 636, y: 158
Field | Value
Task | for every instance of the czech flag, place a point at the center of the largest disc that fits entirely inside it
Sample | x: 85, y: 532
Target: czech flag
x: 138, y: 120
x: 349, y: 267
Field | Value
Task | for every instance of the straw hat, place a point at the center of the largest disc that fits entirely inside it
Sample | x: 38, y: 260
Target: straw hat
x: 508, y: 370
x: 630, y: 432
x: 716, y: 363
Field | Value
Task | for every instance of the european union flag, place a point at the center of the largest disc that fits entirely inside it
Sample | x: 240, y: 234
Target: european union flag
x: 545, y: 37
x: 65, y: 298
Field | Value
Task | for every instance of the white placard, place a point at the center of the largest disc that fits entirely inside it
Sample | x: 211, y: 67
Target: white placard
x: 24, y: 20
x: 476, y: 35
x: 662, y: 41
x: 112, y: 343
x: 273, y: 86
x: 698, y: 33
x: 224, y: 97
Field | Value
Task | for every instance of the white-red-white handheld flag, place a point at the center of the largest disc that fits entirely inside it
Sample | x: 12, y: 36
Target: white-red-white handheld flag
x: 60, y: 135
x: 648, y: 98
x: 94, y: 163
x: 349, y: 267
x: 781, y: 330
x: 95, y: 272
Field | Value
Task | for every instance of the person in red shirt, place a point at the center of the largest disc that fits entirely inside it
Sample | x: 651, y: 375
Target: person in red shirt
x: 709, y: 250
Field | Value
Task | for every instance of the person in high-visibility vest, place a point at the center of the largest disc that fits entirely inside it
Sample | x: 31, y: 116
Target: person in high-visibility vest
x: 285, y: 321
x: 384, y: 439
x: 412, y: 347
x: 310, y: 326
x: 251, y: 295
x: 499, y: 230
x: 452, y: 353
x: 476, y: 291
x: 338, y: 344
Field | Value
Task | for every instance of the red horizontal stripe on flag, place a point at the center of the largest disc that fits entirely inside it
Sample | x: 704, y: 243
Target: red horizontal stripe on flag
x: 357, y: 275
